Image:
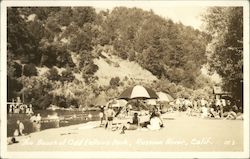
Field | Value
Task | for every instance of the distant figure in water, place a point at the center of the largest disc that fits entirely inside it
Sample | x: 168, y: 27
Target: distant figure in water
x: 38, y: 118
x: 36, y: 122
x: 55, y: 118
x: 29, y: 110
x: 11, y: 108
x: 90, y: 116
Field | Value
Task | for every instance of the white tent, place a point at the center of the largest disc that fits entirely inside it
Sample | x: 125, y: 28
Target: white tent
x: 164, y: 97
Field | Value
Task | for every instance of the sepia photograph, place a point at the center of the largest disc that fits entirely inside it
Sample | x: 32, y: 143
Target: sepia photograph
x: 124, y: 79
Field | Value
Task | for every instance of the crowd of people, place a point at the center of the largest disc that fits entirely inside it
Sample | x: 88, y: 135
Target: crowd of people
x: 217, y: 108
x: 17, y: 107
x: 212, y: 108
x: 203, y: 108
x: 107, y: 115
x: 19, y: 128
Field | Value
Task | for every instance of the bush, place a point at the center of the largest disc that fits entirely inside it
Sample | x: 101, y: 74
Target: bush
x: 29, y: 70
x: 64, y: 102
x: 91, y: 68
x: 18, y: 70
x: 64, y: 59
x: 67, y: 75
x: 131, y: 56
x: 43, y: 102
x: 13, y: 86
x: 114, y: 82
x: 89, y: 78
x: 56, y: 55
x: 123, y: 55
x: 53, y: 74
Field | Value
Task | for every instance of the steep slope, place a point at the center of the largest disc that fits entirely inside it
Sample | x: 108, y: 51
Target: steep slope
x: 113, y: 66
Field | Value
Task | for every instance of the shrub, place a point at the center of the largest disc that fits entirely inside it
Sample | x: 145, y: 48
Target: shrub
x: 53, y: 74
x: 114, y: 82
x: 67, y: 75
x: 43, y: 102
x: 64, y: 59
x: 123, y: 55
x: 18, y: 70
x: 29, y: 70
x: 91, y: 68
x: 131, y: 56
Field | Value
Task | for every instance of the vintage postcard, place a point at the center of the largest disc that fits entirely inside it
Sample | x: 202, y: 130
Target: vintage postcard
x: 124, y: 79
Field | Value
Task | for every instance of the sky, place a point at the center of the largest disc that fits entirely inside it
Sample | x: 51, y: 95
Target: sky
x: 188, y: 15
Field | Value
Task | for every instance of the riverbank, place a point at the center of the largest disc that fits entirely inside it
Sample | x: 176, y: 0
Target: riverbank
x: 67, y: 118
x: 180, y: 133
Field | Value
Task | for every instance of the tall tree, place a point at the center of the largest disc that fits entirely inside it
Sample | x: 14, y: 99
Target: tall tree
x: 225, y: 56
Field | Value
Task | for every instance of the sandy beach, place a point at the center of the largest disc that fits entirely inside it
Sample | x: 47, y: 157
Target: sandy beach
x: 181, y: 133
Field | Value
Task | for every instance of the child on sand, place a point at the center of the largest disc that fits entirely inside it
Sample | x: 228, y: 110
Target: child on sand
x: 132, y: 126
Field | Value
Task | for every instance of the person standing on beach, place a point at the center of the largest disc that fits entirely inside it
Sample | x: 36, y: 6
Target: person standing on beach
x: 101, y: 114
x: 20, y: 127
x: 155, y: 123
x: 110, y: 113
x: 203, y: 102
x: 128, y: 108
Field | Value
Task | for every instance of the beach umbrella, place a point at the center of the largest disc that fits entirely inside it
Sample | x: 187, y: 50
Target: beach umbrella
x: 164, y: 97
x: 138, y: 92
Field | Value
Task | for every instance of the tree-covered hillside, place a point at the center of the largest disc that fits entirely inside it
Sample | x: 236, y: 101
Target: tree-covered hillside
x: 66, y: 40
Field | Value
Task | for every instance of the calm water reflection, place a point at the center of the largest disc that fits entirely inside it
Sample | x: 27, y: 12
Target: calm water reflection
x: 66, y: 118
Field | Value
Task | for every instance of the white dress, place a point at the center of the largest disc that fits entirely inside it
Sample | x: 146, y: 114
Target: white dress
x: 155, y: 123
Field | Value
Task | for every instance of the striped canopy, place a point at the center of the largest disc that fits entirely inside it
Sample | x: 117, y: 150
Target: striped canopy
x: 138, y: 91
x: 164, y: 97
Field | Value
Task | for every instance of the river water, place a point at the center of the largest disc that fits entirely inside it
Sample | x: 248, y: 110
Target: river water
x: 66, y: 118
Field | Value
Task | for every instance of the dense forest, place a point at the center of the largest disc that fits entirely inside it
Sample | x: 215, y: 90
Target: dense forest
x: 64, y: 41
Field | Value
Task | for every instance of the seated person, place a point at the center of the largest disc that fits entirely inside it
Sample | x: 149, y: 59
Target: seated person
x: 132, y: 126
x: 239, y: 116
x: 204, y: 111
x: 156, y: 112
x: 231, y: 115
x: 155, y: 123
x: 214, y: 113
